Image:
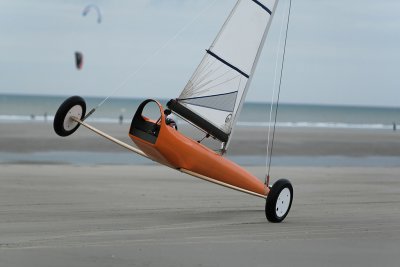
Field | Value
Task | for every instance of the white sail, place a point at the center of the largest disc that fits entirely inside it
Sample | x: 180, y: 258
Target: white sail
x: 214, y: 95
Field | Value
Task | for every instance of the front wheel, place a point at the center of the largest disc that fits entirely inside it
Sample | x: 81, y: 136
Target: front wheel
x: 74, y: 106
x: 279, y: 201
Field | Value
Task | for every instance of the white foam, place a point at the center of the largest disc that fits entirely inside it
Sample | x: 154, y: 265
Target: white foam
x: 335, y: 125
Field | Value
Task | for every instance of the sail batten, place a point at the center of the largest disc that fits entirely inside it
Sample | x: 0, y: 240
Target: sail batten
x: 263, y: 6
x: 227, y: 63
x: 215, y: 93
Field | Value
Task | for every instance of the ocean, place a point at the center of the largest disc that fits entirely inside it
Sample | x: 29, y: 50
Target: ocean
x: 23, y: 108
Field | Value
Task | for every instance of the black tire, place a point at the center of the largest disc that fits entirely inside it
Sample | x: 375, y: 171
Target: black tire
x: 272, y: 211
x: 73, y: 106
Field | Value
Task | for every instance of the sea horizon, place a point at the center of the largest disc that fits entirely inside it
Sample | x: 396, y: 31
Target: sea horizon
x: 162, y: 99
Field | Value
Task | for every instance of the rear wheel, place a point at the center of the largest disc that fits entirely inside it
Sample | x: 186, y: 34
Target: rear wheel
x: 74, y: 106
x: 279, y: 201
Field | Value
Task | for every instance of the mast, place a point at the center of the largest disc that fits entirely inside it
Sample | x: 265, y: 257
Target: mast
x: 259, y: 51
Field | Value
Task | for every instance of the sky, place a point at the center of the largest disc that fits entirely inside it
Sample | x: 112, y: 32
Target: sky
x: 342, y: 52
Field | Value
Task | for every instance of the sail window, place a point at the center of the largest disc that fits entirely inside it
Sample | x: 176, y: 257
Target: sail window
x: 223, y: 102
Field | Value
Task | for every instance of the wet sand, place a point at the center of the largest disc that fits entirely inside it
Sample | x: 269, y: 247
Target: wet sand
x: 33, y: 137
x: 99, y: 215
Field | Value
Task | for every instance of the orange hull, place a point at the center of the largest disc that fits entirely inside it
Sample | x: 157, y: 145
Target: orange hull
x: 174, y: 149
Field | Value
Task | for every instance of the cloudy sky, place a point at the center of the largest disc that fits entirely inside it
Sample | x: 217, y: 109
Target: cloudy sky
x: 339, y: 52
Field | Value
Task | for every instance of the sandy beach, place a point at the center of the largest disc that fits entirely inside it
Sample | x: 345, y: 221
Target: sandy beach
x: 62, y: 214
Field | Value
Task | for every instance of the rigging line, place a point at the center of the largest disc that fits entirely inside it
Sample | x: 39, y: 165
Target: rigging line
x: 278, y: 96
x: 156, y: 52
x: 273, y: 90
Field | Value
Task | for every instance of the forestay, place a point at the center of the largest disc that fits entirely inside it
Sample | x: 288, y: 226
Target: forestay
x: 214, y: 95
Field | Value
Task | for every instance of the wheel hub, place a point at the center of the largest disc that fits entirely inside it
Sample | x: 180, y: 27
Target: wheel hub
x: 283, y: 202
x: 75, y: 111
